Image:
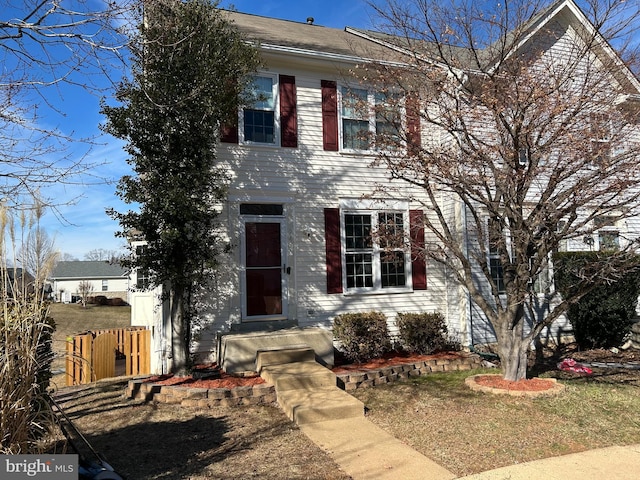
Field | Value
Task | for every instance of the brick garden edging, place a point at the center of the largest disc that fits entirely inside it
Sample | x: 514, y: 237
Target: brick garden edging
x: 201, y: 397
x: 350, y: 381
x: 141, y: 389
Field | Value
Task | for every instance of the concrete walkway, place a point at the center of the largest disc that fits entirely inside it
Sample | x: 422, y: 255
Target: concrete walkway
x: 334, y: 420
x: 366, y: 452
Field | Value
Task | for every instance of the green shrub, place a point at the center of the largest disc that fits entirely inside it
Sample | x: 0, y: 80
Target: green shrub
x: 100, y: 300
x: 423, y: 333
x: 363, y: 336
x: 602, y: 318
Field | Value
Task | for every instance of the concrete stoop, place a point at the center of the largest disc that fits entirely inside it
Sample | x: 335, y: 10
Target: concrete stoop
x: 306, y: 391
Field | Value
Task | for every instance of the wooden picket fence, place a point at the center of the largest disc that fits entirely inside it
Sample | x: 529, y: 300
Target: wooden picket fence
x: 93, y: 355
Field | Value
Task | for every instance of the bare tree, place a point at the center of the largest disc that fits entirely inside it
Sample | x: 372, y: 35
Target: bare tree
x: 85, y: 289
x: 531, y: 142
x: 37, y: 253
x: 102, y: 254
x: 48, y: 46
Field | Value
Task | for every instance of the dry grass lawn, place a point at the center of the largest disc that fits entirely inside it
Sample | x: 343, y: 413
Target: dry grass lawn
x: 155, y: 441
x: 465, y: 431
x: 469, y: 432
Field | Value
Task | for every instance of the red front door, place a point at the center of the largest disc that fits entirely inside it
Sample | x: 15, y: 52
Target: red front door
x: 263, y: 269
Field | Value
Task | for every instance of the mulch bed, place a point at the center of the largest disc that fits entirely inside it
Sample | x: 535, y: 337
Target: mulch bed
x: 224, y: 380
x: 527, y: 385
x: 387, y: 360
x: 220, y: 379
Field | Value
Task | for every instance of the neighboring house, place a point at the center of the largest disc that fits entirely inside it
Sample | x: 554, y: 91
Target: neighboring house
x: 109, y: 280
x: 297, y: 213
x: 18, y: 282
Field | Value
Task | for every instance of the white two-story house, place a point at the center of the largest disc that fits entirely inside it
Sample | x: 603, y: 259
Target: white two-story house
x: 300, y: 209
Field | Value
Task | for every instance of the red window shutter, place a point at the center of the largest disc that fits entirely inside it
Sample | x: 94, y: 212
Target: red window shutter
x: 288, y: 115
x: 413, y: 121
x: 229, y: 134
x: 334, y: 255
x: 329, y: 115
x: 418, y: 263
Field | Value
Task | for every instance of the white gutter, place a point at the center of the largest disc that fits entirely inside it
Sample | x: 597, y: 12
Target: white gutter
x: 317, y: 55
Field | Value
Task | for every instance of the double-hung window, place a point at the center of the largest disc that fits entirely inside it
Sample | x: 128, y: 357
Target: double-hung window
x: 142, y: 274
x: 600, y: 137
x: 366, y: 118
x: 495, y: 263
x: 375, y: 253
x: 608, y: 233
x: 259, y: 120
x: 355, y: 119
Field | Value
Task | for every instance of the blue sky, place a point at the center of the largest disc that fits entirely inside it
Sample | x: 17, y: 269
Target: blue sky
x: 83, y: 225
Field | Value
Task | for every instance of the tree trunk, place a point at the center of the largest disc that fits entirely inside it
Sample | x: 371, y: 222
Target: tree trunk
x: 179, y: 343
x: 512, y: 348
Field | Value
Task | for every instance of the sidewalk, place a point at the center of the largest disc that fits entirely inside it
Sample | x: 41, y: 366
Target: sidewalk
x: 612, y: 463
x: 366, y: 452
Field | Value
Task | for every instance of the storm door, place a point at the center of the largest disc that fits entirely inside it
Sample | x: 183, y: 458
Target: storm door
x: 264, y: 269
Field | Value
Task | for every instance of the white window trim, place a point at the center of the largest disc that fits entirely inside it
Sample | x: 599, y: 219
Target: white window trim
x: 373, y: 208
x: 371, y: 102
x: 613, y: 226
x: 276, y: 114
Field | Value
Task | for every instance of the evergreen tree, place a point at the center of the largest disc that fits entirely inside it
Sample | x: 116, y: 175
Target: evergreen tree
x: 190, y: 69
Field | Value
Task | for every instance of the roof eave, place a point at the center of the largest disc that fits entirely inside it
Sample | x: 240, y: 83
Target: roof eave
x: 323, y: 56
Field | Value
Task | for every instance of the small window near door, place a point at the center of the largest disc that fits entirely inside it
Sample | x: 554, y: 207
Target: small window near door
x: 261, y: 209
x: 105, y: 285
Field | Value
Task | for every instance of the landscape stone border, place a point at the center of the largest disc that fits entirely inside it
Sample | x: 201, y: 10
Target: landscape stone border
x: 350, y: 381
x: 141, y: 389
x: 262, y: 394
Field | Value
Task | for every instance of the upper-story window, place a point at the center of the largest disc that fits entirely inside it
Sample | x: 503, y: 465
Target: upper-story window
x: 600, y: 126
x: 142, y: 274
x: 367, y: 117
x: 272, y: 119
x: 260, y: 121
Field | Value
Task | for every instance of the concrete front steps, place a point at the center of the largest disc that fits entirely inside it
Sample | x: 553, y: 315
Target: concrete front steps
x: 305, y: 390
